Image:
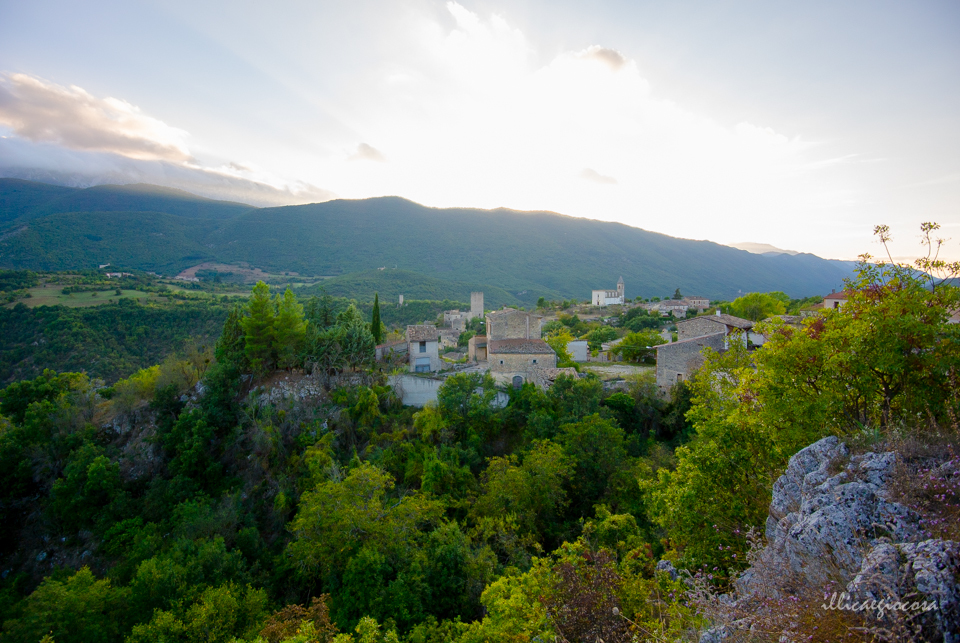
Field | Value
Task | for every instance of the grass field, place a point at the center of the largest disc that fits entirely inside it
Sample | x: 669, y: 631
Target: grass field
x: 616, y: 370
x: 52, y: 295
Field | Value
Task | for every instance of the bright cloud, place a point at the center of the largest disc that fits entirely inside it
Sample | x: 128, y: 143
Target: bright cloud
x: 477, y: 117
x: 69, y: 116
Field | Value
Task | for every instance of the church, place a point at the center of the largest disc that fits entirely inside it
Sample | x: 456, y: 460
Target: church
x: 608, y: 297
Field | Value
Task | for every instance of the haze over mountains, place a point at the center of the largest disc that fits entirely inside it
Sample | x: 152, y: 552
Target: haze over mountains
x: 523, y: 255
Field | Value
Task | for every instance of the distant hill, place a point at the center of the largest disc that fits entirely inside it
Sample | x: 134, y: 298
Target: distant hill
x: 526, y: 254
x: 26, y: 200
x: 761, y: 248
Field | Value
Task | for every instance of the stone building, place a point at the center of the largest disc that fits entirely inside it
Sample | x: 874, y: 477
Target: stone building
x: 423, y: 348
x: 513, y: 349
x: 677, y: 361
x: 710, y: 324
x: 455, y: 320
x: 510, y: 323
x: 476, y: 306
x: 608, y: 297
x: 512, y: 358
x: 835, y: 300
x: 700, y: 303
x: 667, y: 307
x: 477, y: 349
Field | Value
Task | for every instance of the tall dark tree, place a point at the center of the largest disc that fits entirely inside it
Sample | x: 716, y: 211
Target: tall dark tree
x: 375, y: 325
x: 258, y: 329
x: 319, y: 311
x: 231, y: 344
x: 676, y: 294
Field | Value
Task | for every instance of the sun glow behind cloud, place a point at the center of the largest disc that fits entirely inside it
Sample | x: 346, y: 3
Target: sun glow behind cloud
x: 475, y: 118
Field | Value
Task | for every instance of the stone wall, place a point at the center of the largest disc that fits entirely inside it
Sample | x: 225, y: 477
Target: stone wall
x: 513, y: 325
x: 682, y: 358
x: 698, y: 327
x: 518, y: 364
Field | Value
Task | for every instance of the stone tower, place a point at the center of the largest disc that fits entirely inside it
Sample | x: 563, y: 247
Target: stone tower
x: 620, y: 290
x: 476, y: 304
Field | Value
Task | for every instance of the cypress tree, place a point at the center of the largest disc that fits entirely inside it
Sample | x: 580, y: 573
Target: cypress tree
x: 375, y: 326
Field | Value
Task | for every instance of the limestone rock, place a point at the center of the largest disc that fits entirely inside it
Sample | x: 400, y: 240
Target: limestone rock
x: 821, y: 523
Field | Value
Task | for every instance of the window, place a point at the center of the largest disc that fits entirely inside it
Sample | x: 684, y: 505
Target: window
x: 422, y: 365
x: 534, y: 361
x: 679, y: 377
x: 501, y: 362
x: 423, y: 347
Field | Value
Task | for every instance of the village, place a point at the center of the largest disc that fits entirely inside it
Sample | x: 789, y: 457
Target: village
x: 510, y: 344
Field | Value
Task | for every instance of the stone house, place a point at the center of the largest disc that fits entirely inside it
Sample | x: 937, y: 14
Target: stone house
x: 514, y: 348
x: 676, y: 362
x: 676, y: 307
x: 700, y: 303
x: 835, y: 299
x: 710, y: 324
x: 423, y: 348
x: 510, y: 323
x: 477, y: 348
x: 608, y: 297
x: 455, y: 320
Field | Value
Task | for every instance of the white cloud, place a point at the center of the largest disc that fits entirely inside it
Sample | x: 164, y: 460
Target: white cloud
x: 69, y: 116
x: 592, y: 175
x: 367, y: 152
x: 48, y: 163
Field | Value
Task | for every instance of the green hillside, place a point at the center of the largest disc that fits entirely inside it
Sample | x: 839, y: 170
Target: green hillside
x: 82, y: 240
x: 28, y: 200
x: 390, y: 284
x: 526, y: 254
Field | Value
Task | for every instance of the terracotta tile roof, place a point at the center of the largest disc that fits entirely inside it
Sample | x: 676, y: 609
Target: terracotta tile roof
x: 842, y: 295
x: 422, y: 333
x: 518, y: 346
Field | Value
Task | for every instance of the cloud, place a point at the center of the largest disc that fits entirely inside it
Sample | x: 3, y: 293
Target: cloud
x: 367, y: 153
x: 44, y: 112
x: 609, y: 57
x: 49, y: 163
x: 593, y: 175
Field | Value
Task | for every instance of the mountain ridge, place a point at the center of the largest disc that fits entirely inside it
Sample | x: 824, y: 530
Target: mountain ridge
x: 528, y: 253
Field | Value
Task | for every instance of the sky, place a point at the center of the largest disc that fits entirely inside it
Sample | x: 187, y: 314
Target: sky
x: 800, y: 125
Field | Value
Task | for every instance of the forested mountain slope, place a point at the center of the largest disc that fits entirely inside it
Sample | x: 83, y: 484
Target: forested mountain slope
x: 530, y: 254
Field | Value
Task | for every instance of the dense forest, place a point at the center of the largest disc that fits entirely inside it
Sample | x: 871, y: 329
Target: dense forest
x: 185, y: 502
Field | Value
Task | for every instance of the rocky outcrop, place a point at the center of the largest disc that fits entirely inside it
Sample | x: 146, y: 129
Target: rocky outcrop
x: 832, y: 520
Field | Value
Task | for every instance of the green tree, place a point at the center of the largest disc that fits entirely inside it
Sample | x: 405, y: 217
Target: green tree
x: 337, y: 519
x: 558, y: 340
x: 289, y: 330
x: 677, y: 294
x: 376, y: 326
x: 534, y: 491
x: 757, y: 305
x: 258, y: 329
x: 638, y: 347
x: 79, y: 609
